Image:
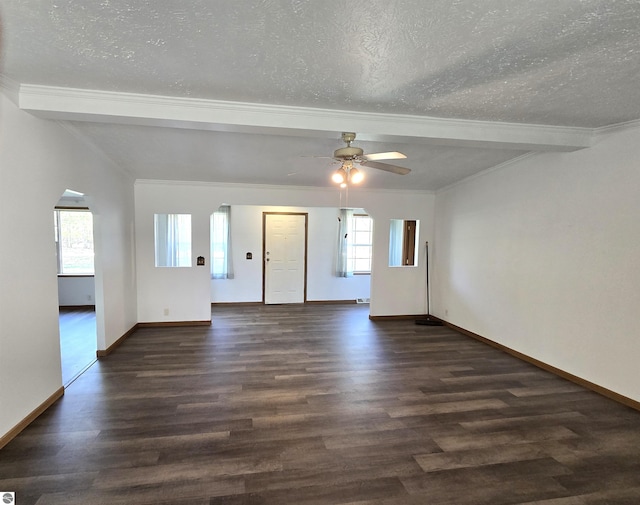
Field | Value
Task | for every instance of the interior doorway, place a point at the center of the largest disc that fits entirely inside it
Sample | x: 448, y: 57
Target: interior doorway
x: 285, y: 257
x: 73, y: 232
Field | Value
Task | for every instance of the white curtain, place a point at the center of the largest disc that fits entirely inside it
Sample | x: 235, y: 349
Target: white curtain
x: 221, y: 258
x: 344, y: 267
x: 173, y: 240
x: 395, y: 242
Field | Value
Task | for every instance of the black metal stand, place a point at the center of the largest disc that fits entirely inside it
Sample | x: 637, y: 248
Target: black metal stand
x: 428, y: 320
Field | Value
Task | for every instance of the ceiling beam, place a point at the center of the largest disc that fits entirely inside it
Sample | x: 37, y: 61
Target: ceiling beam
x: 179, y: 112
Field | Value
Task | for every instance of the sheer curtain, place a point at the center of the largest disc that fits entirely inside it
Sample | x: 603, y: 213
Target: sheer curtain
x: 344, y: 268
x: 221, y: 259
x: 173, y: 240
x: 395, y: 242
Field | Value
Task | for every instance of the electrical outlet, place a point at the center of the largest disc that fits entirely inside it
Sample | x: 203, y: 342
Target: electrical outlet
x: 166, y: 312
x: 446, y: 312
x: 89, y: 297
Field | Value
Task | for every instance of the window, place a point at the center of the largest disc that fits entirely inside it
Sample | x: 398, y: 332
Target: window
x: 221, y: 265
x: 355, y: 243
x: 173, y: 240
x: 74, y: 241
x: 360, y: 247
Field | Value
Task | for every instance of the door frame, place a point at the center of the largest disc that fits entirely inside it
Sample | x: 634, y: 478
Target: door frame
x: 264, y: 248
x: 86, y: 205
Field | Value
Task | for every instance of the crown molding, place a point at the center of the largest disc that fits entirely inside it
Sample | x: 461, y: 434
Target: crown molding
x: 615, y: 128
x: 193, y: 113
x: 487, y: 171
x: 598, y: 134
x: 281, y: 187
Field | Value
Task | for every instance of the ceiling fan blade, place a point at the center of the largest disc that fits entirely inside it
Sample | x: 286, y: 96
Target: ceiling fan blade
x: 393, y: 155
x: 386, y: 167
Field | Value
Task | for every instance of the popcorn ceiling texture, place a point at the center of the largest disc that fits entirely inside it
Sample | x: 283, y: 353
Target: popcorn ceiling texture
x: 572, y: 63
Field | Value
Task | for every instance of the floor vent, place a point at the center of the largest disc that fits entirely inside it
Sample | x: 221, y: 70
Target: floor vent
x: 363, y: 300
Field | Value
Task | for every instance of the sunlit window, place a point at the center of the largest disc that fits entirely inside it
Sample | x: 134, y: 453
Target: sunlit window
x: 361, y: 244
x: 74, y: 241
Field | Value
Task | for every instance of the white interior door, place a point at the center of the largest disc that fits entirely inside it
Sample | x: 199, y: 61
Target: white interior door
x: 284, y: 258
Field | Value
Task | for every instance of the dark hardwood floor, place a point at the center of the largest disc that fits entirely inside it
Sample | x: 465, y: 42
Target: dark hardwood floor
x: 77, y: 341
x: 318, y: 405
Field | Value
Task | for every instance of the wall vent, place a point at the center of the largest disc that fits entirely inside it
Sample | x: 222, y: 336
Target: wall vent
x: 363, y: 300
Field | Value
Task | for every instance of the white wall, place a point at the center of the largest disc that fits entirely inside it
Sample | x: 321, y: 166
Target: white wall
x: 187, y: 293
x: 39, y: 159
x: 543, y: 256
x: 75, y: 291
x: 322, y: 284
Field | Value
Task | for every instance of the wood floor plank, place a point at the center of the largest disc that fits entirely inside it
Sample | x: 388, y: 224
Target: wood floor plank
x: 318, y: 405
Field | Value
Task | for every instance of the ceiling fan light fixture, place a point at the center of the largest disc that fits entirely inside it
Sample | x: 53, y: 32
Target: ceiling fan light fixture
x: 355, y: 176
x: 339, y: 176
x: 348, y: 174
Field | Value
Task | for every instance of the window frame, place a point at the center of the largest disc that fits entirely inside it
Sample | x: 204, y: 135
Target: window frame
x: 353, y: 245
x: 58, y: 231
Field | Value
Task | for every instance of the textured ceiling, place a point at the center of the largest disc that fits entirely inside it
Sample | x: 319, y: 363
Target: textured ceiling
x: 546, y: 62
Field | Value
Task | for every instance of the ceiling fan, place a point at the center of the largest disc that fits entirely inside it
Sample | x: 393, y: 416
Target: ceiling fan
x: 356, y: 154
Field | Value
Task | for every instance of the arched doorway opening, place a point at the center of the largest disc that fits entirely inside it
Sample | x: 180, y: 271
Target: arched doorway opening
x: 73, y: 231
